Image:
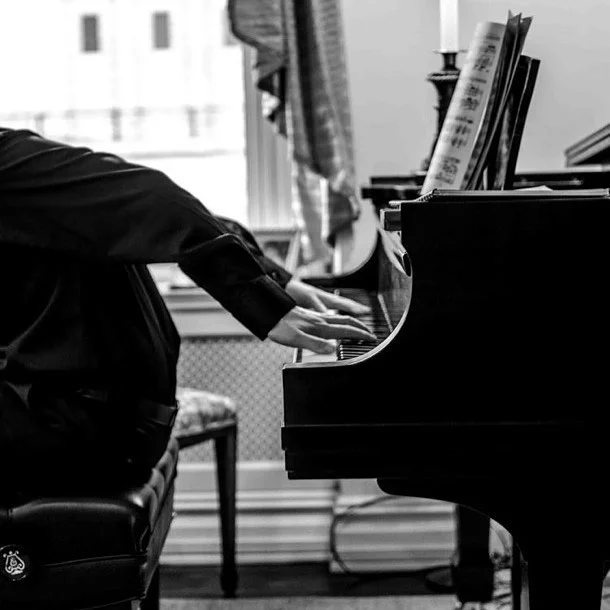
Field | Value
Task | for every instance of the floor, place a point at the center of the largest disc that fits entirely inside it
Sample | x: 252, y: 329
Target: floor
x: 289, y: 580
x: 417, y: 602
x: 312, y: 581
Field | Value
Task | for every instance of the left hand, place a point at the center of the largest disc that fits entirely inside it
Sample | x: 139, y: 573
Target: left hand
x: 310, y: 297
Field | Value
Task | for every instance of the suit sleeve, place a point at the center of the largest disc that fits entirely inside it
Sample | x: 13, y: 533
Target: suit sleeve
x: 275, y: 271
x: 96, y: 206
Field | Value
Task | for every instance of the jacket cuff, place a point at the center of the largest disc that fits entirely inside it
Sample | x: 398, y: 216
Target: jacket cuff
x: 276, y: 272
x: 259, y: 305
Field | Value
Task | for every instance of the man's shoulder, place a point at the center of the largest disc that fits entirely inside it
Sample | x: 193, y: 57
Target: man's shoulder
x: 10, y: 132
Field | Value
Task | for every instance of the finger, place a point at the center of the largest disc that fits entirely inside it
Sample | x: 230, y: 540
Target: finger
x: 317, y: 304
x: 347, y: 320
x: 342, y: 331
x: 344, y: 304
x: 317, y: 344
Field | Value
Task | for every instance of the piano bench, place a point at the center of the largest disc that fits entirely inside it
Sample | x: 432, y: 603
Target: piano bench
x: 90, y: 551
x: 204, y: 416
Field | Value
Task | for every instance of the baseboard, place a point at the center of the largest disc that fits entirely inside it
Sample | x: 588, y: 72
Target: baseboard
x: 277, y: 520
x: 380, y: 533
x: 286, y: 521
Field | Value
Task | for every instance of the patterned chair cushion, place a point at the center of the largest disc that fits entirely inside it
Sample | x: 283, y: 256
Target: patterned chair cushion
x: 197, y: 409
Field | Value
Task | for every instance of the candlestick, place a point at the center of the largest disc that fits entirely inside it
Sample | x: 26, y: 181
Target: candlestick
x: 444, y: 80
x: 449, y: 26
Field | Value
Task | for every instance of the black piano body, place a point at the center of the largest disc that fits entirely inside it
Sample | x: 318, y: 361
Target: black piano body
x: 498, y: 361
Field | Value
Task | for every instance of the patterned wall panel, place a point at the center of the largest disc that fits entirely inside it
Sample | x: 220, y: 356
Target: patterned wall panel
x: 248, y: 370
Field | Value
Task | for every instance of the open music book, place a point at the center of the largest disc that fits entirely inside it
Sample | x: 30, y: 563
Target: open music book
x: 487, y: 112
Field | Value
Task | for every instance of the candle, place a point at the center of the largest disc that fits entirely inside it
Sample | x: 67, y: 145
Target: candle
x: 449, y: 26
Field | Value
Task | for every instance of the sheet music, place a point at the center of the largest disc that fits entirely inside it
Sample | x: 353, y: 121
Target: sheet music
x: 464, y: 116
x: 514, y: 39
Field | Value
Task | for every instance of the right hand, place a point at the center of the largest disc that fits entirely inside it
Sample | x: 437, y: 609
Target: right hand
x: 317, y: 331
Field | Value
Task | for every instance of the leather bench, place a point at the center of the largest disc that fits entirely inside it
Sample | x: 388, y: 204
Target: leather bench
x: 88, y: 551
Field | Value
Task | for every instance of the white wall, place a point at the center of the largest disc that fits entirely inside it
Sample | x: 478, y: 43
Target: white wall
x: 390, y: 50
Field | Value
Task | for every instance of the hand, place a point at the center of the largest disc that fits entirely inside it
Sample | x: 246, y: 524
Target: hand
x: 311, y: 297
x: 316, y: 331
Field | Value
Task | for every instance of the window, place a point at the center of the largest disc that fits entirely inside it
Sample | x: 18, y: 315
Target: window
x: 161, y: 30
x: 194, y: 115
x: 90, y: 35
x: 228, y: 38
x: 267, y: 157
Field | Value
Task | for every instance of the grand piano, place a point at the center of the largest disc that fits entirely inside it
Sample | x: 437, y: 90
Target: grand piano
x: 492, y: 316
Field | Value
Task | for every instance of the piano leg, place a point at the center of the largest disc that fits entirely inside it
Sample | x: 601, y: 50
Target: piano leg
x: 518, y: 578
x: 564, y: 537
x: 563, y: 576
x: 471, y: 575
x: 472, y: 571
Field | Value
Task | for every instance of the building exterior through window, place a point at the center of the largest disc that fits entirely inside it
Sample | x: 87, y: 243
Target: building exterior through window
x: 151, y: 80
x: 90, y: 33
x: 161, y: 27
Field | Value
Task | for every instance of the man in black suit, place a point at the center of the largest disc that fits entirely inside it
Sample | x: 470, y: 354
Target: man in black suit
x: 88, y: 349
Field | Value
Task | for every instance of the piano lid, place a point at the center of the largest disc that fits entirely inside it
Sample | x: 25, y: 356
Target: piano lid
x: 594, y: 148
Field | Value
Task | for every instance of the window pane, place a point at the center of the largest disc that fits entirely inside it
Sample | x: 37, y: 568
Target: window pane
x: 180, y: 111
x: 89, y: 33
x: 161, y: 30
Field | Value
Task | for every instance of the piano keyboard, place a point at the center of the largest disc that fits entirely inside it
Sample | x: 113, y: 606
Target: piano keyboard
x: 377, y: 320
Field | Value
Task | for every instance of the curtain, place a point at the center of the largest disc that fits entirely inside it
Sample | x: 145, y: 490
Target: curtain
x: 301, y: 71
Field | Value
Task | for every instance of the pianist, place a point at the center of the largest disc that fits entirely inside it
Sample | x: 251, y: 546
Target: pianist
x: 88, y: 351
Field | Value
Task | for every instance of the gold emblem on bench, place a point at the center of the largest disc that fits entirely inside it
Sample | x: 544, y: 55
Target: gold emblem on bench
x: 14, y: 563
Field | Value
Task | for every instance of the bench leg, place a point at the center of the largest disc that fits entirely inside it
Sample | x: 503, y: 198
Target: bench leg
x: 226, y: 457
x: 151, y: 601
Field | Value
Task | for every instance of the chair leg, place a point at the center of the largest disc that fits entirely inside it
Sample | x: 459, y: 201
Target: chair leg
x: 226, y: 458
x: 151, y: 601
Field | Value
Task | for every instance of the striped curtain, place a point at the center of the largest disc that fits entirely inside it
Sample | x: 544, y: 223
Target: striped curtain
x: 301, y: 70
